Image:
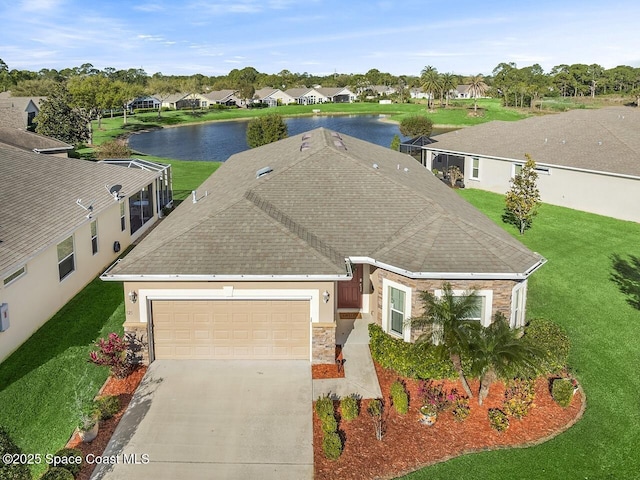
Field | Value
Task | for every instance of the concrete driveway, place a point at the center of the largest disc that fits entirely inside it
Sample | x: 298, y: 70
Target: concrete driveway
x: 216, y: 419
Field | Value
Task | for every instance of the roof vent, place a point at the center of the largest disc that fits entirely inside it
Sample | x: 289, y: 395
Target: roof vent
x: 306, y: 136
x: 336, y: 134
x: 376, y: 166
x: 264, y: 171
x: 305, y: 146
x: 339, y: 144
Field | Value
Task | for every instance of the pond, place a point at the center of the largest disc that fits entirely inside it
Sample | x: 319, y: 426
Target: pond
x: 217, y: 141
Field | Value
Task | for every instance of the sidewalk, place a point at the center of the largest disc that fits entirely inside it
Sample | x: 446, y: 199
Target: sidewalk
x: 359, y: 373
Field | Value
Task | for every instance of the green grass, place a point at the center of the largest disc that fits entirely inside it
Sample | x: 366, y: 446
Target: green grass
x: 574, y: 289
x: 39, y: 382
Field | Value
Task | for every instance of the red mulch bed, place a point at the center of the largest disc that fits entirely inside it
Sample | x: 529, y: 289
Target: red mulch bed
x: 328, y: 370
x: 124, y: 389
x: 409, y: 445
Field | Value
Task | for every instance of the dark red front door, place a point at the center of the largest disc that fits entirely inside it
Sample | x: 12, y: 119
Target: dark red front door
x: 350, y: 293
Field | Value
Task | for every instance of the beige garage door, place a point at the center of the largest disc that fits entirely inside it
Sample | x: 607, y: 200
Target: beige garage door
x: 231, y: 329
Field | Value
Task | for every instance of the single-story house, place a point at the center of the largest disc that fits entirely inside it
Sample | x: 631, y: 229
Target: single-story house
x: 19, y: 112
x: 179, y: 101
x: 33, y: 142
x: 223, y: 97
x: 62, y: 222
x: 272, y: 97
x: 148, y: 101
x: 586, y: 159
x: 306, y: 96
x: 418, y: 93
x: 284, y: 237
x: 337, y: 94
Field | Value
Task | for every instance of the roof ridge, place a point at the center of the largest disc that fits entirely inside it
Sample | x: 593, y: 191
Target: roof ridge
x: 301, y: 232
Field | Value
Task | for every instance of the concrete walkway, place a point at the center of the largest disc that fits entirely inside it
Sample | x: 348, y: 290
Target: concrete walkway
x: 359, y: 373
x: 195, y: 419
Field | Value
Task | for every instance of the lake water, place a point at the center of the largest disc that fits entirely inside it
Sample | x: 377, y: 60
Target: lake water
x: 217, y: 141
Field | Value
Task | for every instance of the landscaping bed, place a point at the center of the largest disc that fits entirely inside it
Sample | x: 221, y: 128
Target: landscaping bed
x: 124, y: 389
x: 328, y: 370
x: 408, y: 445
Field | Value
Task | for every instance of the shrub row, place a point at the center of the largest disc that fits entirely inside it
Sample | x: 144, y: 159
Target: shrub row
x: 413, y: 360
x: 331, y: 441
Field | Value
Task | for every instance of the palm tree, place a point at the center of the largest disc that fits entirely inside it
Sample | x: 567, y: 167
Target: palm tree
x: 498, y: 351
x: 444, y: 321
x: 430, y: 82
x: 449, y: 82
x: 477, y: 88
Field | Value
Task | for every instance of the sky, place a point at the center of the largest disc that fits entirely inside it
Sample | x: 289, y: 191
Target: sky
x: 319, y: 37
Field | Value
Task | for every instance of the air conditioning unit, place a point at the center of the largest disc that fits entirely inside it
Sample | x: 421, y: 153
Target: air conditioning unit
x: 4, y: 317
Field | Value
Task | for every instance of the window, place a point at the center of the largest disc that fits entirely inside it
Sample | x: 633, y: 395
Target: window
x: 396, y: 309
x: 123, y: 218
x: 140, y: 208
x: 475, y: 170
x: 14, y: 276
x: 483, y: 305
x: 94, y: 237
x: 66, y: 260
x: 516, y: 169
x: 518, y: 302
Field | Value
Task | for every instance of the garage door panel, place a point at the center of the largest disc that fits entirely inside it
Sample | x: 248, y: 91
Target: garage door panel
x: 231, y: 329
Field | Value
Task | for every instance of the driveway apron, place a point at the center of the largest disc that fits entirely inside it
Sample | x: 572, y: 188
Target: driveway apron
x: 216, y: 419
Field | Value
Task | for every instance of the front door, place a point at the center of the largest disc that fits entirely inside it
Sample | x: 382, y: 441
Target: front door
x: 350, y: 293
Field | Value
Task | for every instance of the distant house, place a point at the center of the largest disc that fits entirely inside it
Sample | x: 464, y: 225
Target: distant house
x: 586, y: 159
x: 306, y: 96
x: 144, y: 102
x: 179, y: 101
x: 337, y: 94
x: 418, y: 93
x: 273, y: 97
x: 223, y: 97
x: 19, y: 112
x: 32, y: 142
x: 62, y: 221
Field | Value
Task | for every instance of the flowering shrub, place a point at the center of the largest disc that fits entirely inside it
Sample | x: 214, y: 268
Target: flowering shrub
x: 437, y: 396
x: 461, y: 409
x: 112, y: 352
x: 518, y: 398
x: 498, y: 419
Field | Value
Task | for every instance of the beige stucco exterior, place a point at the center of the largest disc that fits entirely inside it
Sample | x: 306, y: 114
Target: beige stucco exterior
x: 35, y: 296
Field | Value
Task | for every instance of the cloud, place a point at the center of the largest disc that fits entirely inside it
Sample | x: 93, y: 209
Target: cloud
x: 149, y: 7
x: 40, y: 5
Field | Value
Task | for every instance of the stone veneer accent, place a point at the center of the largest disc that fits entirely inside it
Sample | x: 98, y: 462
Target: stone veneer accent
x: 140, y: 332
x: 501, y: 292
x: 323, y: 343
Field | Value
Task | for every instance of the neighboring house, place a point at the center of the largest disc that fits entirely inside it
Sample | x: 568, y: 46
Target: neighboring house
x: 33, y: 142
x: 144, y: 102
x: 19, y: 112
x: 179, y: 101
x: 337, y: 94
x: 461, y: 91
x: 59, y: 228
x: 223, y: 97
x: 285, y: 236
x: 273, y: 97
x: 586, y: 159
x: 306, y: 96
x: 383, y: 90
x: 418, y: 93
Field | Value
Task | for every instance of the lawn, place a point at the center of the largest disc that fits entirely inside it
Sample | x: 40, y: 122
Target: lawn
x: 575, y: 289
x: 40, y: 381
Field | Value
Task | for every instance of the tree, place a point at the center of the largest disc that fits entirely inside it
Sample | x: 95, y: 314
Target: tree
x: 90, y: 96
x: 523, y: 199
x: 430, y: 82
x: 448, y: 82
x: 477, y: 88
x: 416, y: 125
x: 162, y: 88
x: 497, y: 351
x: 57, y: 119
x: 395, y: 143
x: 445, y: 320
x: 266, y: 129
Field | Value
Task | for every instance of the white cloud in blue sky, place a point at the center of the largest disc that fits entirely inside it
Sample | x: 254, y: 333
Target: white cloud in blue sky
x: 316, y: 36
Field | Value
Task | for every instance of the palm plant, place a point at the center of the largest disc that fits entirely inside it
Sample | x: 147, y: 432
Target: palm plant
x: 448, y: 82
x: 430, y: 82
x: 477, y: 88
x: 444, y: 322
x: 498, y: 351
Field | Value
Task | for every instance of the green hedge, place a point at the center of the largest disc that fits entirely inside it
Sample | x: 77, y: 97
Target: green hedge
x: 552, y: 340
x: 408, y: 359
x: 13, y: 470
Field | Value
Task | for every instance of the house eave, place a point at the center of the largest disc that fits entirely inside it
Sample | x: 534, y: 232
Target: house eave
x: 108, y: 277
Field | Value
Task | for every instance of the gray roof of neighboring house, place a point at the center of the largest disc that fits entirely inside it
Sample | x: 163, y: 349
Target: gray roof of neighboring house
x: 220, y: 95
x: 327, y: 198
x: 297, y: 92
x: 13, y: 111
x: 38, y: 199
x: 174, y: 97
x: 264, y: 92
x: 604, y: 140
x: 31, y: 141
x: 333, y: 91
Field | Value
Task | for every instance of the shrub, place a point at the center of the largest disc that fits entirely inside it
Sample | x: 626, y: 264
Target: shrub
x: 349, y: 407
x: 562, y: 391
x: 436, y: 395
x: 108, y: 405
x: 498, y: 419
x: 57, y: 473
x: 461, y: 409
x: 416, y: 125
x: 518, y: 398
x: 73, y: 467
x: 551, y: 339
x: 329, y: 424
x: 413, y: 360
x: 14, y: 471
x: 324, y: 407
x: 332, y: 446
x: 399, y: 397
x: 113, y: 149
x: 112, y: 352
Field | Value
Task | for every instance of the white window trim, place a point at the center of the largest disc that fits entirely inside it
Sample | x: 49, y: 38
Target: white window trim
x: 72, y: 254
x: 471, y: 176
x: 540, y: 170
x: 386, y: 323
x: 522, y: 287
x: 486, y: 319
x: 17, y: 274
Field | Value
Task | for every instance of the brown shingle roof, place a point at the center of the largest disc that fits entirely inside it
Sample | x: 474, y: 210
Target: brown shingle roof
x: 38, y: 199
x: 324, y: 201
x: 31, y: 141
x: 604, y: 140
